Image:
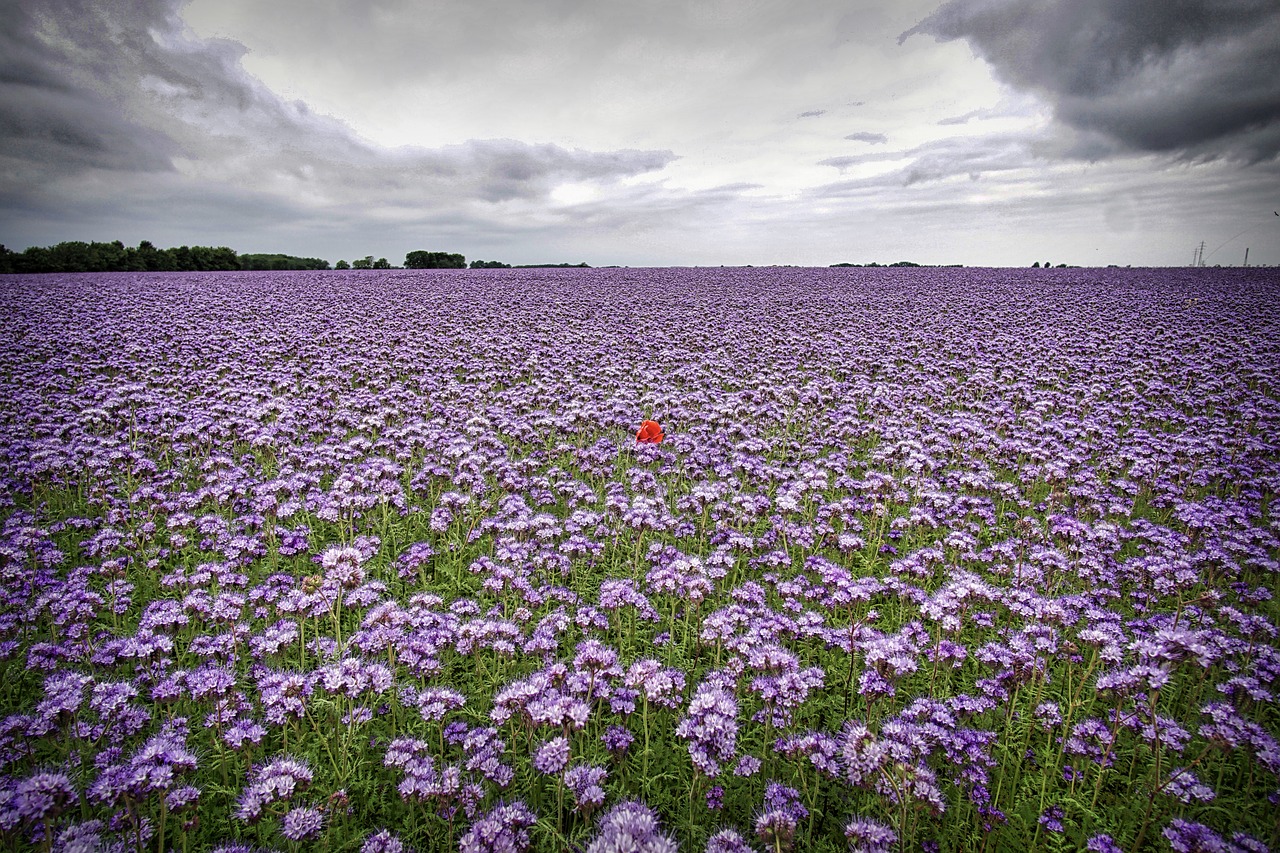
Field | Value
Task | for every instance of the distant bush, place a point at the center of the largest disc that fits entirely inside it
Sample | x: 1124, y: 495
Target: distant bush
x: 281, y: 262
x: 421, y: 260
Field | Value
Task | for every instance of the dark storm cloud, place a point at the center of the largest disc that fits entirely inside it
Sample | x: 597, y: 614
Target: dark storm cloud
x: 1199, y: 78
x: 124, y: 87
x: 872, y: 138
x: 50, y: 117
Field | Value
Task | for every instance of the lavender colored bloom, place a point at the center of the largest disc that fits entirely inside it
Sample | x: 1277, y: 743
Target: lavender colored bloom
x: 503, y: 829
x: 616, y: 739
x: 1185, y: 836
x: 243, y: 732
x: 1051, y: 819
x: 552, y: 756
x: 180, y: 799
x: 42, y: 796
x: 586, y: 783
x: 710, y: 726
x: 86, y: 837
x: 276, y: 781
x: 632, y: 827
x: 861, y: 754
x: 1186, y: 788
x: 777, y: 821
x: 435, y: 702
x: 1242, y: 842
x: 869, y: 836
x: 728, y: 841
x: 301, y: 824
x: 1102, y: 843
x: 382, y: 841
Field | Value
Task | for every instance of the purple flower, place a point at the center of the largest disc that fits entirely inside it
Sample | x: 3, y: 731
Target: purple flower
x: 504, y: 829
x: 42, y: 796
x: 552, y: 756
x: 869, y: 836
x: 586, y: 783
x: 710, y: 726
x: 728, y: 841
x: 278, y: 780
x: 86, y: 837
x: 776, y: 823
x: 182, y: 798
x: 1185, y: 787
x: 630, y: 826
x: 1051, y: 818
x: 1103, y: 843
x: 616, y: 739
x: 861, y: 754
x: 1185, y: 836
x: 382, y: 841
x: 301, y: 824
x: 435, y: 702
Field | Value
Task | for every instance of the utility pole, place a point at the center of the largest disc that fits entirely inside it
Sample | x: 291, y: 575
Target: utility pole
x: 1246, y: 256
x: 1199, y: 258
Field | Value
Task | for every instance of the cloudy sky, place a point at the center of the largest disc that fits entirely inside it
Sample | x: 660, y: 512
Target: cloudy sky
x: 649, y: 132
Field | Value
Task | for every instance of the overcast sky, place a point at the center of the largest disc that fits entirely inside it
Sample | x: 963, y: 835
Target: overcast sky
x: 649, y: 132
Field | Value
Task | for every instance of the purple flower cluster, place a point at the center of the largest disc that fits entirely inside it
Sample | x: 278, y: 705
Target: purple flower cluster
x: 276, y: 781
x: 710, y: 725
x: 503, y: 829
x: 778, y: 820
x: 917, y: 541
x: 633, y: 827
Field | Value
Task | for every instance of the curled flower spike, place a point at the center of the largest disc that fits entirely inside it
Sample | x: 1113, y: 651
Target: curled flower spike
x: 650, y: 433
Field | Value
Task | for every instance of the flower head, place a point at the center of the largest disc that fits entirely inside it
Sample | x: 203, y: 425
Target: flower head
x: 650, y: 433
x: 631, y: 826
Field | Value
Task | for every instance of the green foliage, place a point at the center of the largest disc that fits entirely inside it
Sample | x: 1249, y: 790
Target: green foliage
x: 420, y: 260
x: 342, y: 265
x: 489, y: 265
x: 79, y: 256
x: 365, y: 263
x: 281, y: 262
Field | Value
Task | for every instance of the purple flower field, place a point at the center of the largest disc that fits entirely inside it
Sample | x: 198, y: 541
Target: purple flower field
x: 938, y: 560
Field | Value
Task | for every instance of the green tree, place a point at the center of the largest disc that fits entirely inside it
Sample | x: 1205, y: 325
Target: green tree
x: 365, y: 263
x: 420, y: 260
x: 342, y: 265
x: 382, y: 264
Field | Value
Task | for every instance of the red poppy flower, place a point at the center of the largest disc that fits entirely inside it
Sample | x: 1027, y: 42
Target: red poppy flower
x: 650, y: 433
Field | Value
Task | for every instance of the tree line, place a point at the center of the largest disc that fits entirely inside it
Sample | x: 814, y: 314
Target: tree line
x: 79, y: 256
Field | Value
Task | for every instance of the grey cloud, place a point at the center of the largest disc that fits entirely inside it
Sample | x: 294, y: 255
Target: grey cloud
x: 1198, y: 78
x: 872, y: 138
x: 965, y: 118
x: 812, y: 113
x: 90, y: 86
x: 51, y: 119
x: 849, y: 160
x: 937, y: 161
